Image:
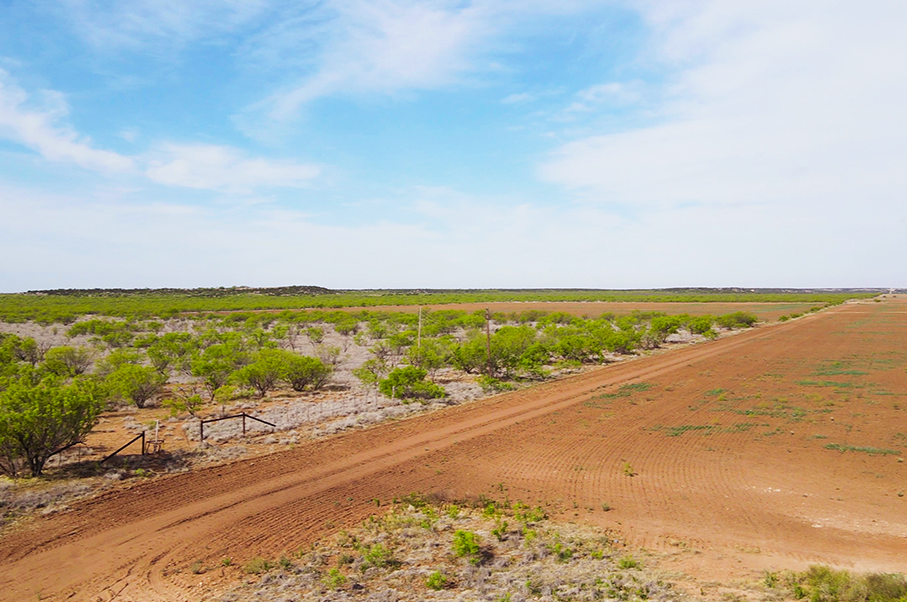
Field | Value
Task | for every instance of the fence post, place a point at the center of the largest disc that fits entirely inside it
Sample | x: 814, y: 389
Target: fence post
x: 201, y: 431
x: 143, y: 443
x: 244, y: 424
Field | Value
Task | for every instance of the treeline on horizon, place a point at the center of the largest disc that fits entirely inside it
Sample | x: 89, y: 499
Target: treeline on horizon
x: 66, y: 306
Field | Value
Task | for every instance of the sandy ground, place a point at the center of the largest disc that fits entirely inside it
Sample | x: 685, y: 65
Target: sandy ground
x: 717, y: 458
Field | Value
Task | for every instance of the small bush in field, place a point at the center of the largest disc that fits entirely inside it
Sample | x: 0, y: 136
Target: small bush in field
x: 466, y: 544
x: 257, y: 566
x: 436, y: 581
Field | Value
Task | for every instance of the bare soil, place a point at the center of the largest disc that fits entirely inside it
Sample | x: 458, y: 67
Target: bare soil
x: 718, y: 458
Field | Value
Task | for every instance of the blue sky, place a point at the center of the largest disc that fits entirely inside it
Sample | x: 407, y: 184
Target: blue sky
x: 493, y: 143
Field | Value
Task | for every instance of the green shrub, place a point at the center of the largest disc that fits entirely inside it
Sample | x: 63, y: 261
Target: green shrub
x: 466, y: 544
x: 823, y: 584
x: 700, y: 324
x: 137, y: 384
x: 257, y: 566
x: 263, y: 374
x: 68, y: 361
x: 409, y: 383
x: 39, y: 420
x: 436, y: 581
x: 493, y: 385
x: 301, y: 372
x: 334, y: 579
x: 378, y: 556
x: 738, y: 319
x: 500, y: 529
x: 628, y: 562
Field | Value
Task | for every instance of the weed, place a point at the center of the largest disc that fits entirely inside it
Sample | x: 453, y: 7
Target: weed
x: 466, y: 544
x: 823, y: 584
x: 628, y: 562
x: 378, y: 556
x: 334, y: 579
x: 625, y: 391
x: 676, y: 431
x: 285, y: 563
x: 563, y: 553
x: 606, y: 506
x: 627, y: 469
x: 225, y: 561
x: 197, y: 567
x: 453, y: 511
x: 500, y: 529
x: 436, y: 581
x: 872, y: 451
x: 257, y: 566
x: 525, y: 515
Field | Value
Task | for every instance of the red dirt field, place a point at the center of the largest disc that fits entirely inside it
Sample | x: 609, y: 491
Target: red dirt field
x: 718, y: 452
x: 766, y: 312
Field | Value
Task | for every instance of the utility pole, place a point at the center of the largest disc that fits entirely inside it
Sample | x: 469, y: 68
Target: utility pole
x: 487, y: 342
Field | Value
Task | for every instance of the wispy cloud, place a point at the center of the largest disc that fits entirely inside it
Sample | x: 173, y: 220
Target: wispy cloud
x: 516, y: 99
x: 225, y: 169
x: 769, y: 102
x: 138, y: 23
x: 607, y: 95
x: 389, y: 46
x: 39, y: 124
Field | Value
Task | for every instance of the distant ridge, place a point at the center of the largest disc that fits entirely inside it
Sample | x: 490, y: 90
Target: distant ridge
x: 280, y: 291
x: 300, y: 290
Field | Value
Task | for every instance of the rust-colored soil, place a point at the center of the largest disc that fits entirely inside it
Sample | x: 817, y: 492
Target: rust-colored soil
x: 726, y: 442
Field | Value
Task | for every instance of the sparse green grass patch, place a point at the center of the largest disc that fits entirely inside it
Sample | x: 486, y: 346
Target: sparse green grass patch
x: 872, y: 451
x: 625, y: 391
x: 554, y: 561
x: 677, y: 431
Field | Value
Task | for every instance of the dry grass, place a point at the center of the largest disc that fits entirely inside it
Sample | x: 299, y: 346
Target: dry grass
x: 410, y: 554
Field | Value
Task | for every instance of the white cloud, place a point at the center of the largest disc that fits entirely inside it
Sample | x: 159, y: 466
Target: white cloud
x: 224, y: 168
x: 129, y: 134
x: 609, y: 94
x: 388, y: 46
x: 449, y: 239
x: 40, y: 126
x: 520, y: 98
x: 770, y: 102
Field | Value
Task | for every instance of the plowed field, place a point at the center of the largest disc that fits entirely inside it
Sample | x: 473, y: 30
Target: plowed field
x: 777, y: 446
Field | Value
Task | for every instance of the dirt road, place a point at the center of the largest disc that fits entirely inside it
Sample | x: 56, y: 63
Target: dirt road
x: 719, y: 446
